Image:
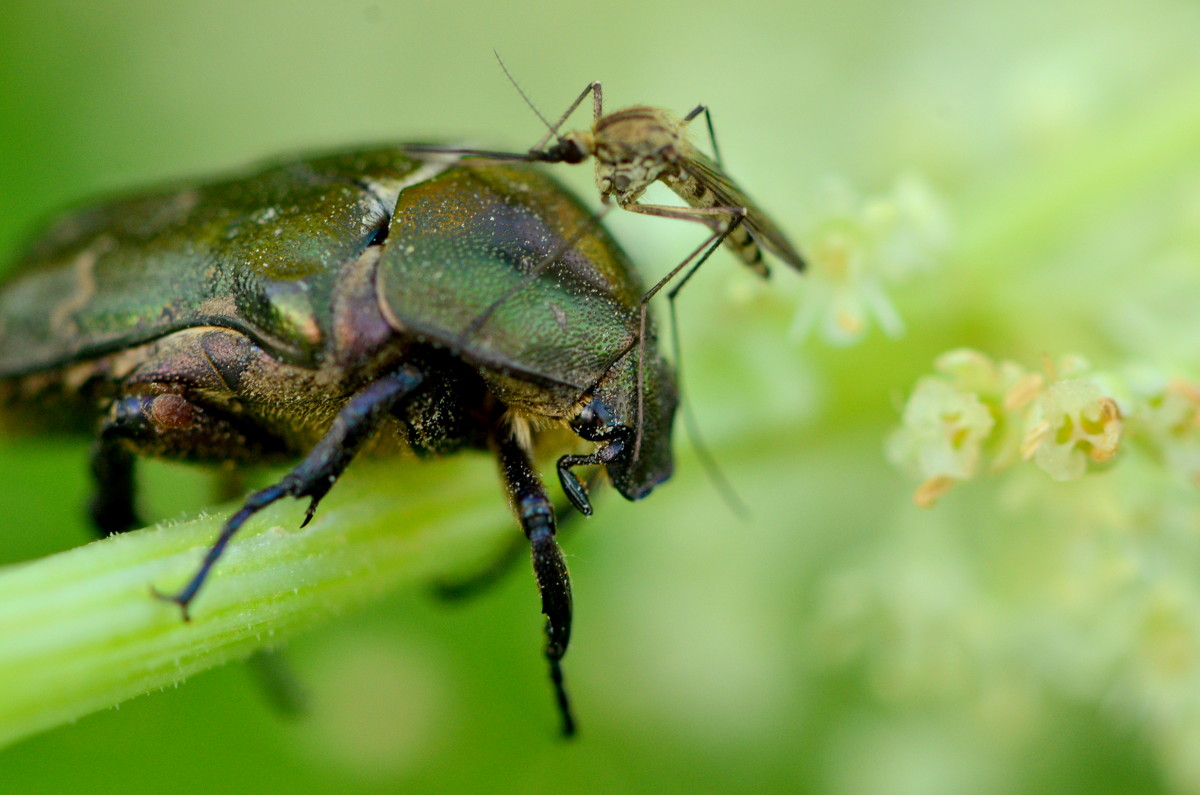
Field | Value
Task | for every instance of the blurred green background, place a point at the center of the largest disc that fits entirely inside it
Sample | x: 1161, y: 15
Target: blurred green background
x: 1022, y: 636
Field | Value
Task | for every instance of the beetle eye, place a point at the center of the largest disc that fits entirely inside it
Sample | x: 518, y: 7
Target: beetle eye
x: 595, y: 422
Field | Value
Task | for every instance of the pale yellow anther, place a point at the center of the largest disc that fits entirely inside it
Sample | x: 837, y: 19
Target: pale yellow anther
x: 1033, y: 438
x: 1028, y: 387
x: 932, y: 490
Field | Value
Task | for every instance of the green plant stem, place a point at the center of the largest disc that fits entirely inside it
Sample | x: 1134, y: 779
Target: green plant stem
x: 81, y: 630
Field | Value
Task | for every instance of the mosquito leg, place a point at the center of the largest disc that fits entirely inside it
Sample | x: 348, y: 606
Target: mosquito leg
x: 712, y: 134
x: 729, y: 220
x: 737, y: 222
x: 707, y: 247
x: 597, y: 109
x: 730, y: 496
x: 715, y: 218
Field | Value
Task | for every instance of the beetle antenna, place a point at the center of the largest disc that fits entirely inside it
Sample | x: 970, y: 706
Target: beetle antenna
x: 553, y: 129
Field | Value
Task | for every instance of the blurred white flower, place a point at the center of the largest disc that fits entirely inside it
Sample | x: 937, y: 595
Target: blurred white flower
x: 1071, y: 424
x: 1168, y: 421
x: 941, y: 438
x: 857, y: 247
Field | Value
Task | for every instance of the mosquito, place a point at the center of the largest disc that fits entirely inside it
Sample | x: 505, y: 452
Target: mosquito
x: 635, y: 147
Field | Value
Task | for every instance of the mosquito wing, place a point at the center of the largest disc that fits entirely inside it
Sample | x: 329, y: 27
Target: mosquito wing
x: 727, y: 194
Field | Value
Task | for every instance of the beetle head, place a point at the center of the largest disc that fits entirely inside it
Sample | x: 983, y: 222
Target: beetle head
x: 612, y: 416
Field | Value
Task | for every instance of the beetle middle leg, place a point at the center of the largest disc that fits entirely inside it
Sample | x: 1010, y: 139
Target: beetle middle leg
x: 534, y: 511
x: 471, y: 584
x: 320, y: 469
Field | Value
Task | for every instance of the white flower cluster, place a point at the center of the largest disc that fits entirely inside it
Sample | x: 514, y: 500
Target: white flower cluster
x: 976, y: 413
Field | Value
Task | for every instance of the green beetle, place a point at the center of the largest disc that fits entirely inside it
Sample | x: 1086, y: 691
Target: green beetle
x: 384, y: 299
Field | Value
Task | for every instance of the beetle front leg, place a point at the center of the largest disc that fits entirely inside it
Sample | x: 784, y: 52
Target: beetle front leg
x: 536, y: 515
x: 320, y: 469
x: 574, y: 487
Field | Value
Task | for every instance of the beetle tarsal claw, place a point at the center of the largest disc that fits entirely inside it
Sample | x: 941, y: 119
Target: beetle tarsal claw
x: 312, y: 510
x: 176, y: 599
x: 575, y: 489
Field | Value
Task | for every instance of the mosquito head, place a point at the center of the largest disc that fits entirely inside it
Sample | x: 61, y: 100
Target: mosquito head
x: 572, y: 147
